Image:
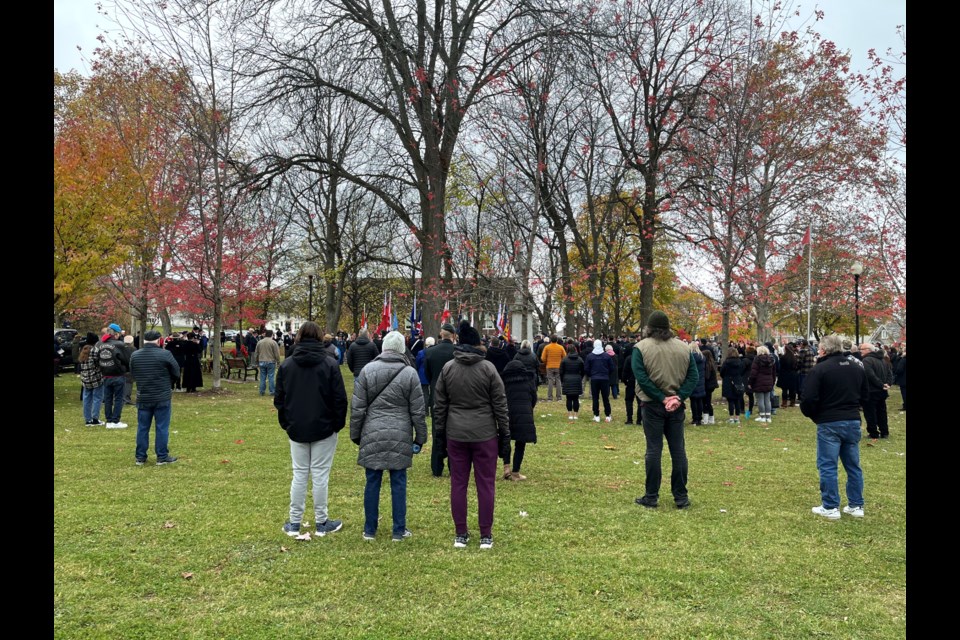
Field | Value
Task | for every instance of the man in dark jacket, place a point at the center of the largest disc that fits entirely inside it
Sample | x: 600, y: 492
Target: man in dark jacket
x: 361, y: 351
x: 437, y: 356
x: 666, y: 375
x: 832, y: 395
x: 497, y: 355
x: 153, y: 368
x: 629, y: 385
x: 311, y: 404
x: 805, y: 361
x: 879, y: 378
x: 114, y: 361
x: 900, y: 376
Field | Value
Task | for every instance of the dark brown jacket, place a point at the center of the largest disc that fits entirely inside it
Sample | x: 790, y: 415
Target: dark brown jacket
x: 470, y: 404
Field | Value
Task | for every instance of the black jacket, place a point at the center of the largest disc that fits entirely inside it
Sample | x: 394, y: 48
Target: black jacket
x: 437, y: 356
x: 153, y: 369
x: 530, y: 361
x: 732, y: 373
x: 113, y: 358
x: 521, y: 390
x: 361, y: 351
x: 878, y: 374
x: 498, y: 357
x: 311, y: 400
x: 900, y: 371
x: 835, y: 389
x: 571, y: 375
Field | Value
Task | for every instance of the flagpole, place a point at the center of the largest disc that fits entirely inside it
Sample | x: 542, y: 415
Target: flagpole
x: 809, y: 277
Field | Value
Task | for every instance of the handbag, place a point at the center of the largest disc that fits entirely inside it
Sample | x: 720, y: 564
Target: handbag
x: 775, y: 401
x: 739, y: 387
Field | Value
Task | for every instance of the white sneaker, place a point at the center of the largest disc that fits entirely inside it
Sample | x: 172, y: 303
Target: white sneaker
x: 111, y: 425
x: 608, y: 419
x: 576, y: 417
x: 829, y: 514
x: 571, y: 418
x: 759, y: 420
x: 596, y: 418
x: 116, y: 425
x: 856, y: 512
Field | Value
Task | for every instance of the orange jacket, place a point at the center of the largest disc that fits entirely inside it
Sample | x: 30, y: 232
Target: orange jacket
x: 552, y: 354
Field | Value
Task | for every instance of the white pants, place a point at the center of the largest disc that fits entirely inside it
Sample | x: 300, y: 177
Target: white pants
x: 316, y: 459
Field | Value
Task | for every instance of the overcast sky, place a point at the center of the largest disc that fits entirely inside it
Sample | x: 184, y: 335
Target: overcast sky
x: 857, y: 25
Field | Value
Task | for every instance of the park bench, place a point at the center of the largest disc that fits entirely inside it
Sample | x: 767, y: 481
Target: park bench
x: 239, y: 364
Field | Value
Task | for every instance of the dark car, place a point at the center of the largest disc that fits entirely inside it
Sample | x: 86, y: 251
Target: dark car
x: 64, y: 339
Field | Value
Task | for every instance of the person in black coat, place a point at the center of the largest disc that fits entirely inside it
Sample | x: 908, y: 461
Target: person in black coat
x: 789, y: 376
x: 900, y: 376
x: 734, y: 385
x: 747, y: 365
x: 521, y: 389
x: 361, y: 351
x: 571, y: 381
x: 529, y: 360
x: 497, y: 355
x: 629, y: 384
x: 192, y: 371
x: 175, y: 347
x: 710, y: 384
x: 700, y: 391
x: 435, y: 358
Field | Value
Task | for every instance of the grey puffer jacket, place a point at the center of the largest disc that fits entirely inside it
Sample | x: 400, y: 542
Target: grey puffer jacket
x: 387, y: 413
x: 470, y: 404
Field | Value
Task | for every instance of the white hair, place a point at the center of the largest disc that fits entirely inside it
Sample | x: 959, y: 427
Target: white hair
x: 394, y: 341
x: 525, y: 344
x: 431, y: 341
x: 762, y: 351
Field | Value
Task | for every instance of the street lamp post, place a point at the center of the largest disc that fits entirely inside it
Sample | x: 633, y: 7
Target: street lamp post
x: 310, y: 307
x: 856, y: 269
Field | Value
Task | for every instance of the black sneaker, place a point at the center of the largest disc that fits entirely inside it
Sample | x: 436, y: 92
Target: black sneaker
x: 683, y: 505
x: 399, y: 537
x: 291, y: 529
x: 643, y: 502
x: 461, y: 540
x: 486, y: 542
x: 140, y: 462
x: 628, y: 422
x: 330, y: 526
x: 167, y: 460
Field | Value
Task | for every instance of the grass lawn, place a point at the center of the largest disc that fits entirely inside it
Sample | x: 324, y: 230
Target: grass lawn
x: 194, y: 549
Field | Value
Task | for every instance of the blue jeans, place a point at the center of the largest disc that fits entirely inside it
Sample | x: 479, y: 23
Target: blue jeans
x: 398, y: 498
x: 113, y: 398
x: 153, y: 411
x: 267, y: 369
x: 839, y: 439
x: 92, y: 399
x: 658, y: 424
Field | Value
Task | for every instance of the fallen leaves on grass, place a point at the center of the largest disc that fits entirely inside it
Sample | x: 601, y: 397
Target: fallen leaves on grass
x: 283, y: 549
x: 778, y: 439
x: 303, y: 536
x: 224, y: 461
x: 566, y: 442
x: 728, y: 484
x: 738, y: 468
x: 608, y: 447
x: 186, y: 575
x: 168, y: 525
x: 238, y: 442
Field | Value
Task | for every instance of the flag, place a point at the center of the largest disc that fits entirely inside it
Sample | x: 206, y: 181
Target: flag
x: 363, y: 318
x: 393, y: 321
x: 445, y: 316
x: 413, y: 319
x: 806, y: 238
x: 385, y: 316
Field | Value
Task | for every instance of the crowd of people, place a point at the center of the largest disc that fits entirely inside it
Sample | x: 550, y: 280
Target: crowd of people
x: 480, y: 393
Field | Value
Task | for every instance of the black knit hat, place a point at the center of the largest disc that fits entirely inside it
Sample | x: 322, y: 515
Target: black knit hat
x: 91, y: 338
x: 658, y: 320
x: 468, y: 335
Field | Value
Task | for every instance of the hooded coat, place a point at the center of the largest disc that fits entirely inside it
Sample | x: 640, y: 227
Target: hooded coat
x: 700, y: 391
x: 311, y: 400
x: 763, y: 373
x: 470, y: 404
x: 732, y: 372
x: 571, y: 375
x: 529, y: 360
x: 387, y: 413
x: 521, y: 392
x: 498, y: 357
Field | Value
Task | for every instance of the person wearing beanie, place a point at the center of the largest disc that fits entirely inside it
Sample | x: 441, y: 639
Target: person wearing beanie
x: 571, y: 378
x: 600, y: 368
x: 471, y: 415
x: 666, y: 374
x: 387, y: 422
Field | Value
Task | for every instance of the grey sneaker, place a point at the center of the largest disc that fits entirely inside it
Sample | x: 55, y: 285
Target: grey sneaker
x: 856, y: 512
x: 643, y: 502
x: 486, y: 542
x: 461, y: 540
x: 291, y: 529
x: 330, y: 526
x: 167, y: 460
x: 369, y: 536
x: 398, y: 537
x: 140, y: 462
x: 829, y: 514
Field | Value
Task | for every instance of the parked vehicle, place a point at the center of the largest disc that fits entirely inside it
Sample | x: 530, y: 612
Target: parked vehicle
x: 64, y: 339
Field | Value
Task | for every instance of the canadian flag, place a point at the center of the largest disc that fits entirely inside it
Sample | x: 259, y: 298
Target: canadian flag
x: 385, y: 319
x: 445, y: 316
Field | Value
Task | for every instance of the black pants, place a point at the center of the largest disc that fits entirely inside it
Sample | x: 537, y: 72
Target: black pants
x: 696, y: 410
x: 437, y: 454
x: 903, y: 394
x: 735, y: 404
x: 630, y: 398
x: 573, y: 402
x: 708, y: 403
x: 875, y: 415
x: 750, y: 399
x: 518, y: 449
x: 425, y: 388
x: 658, y: 424
x: 598, y: 388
